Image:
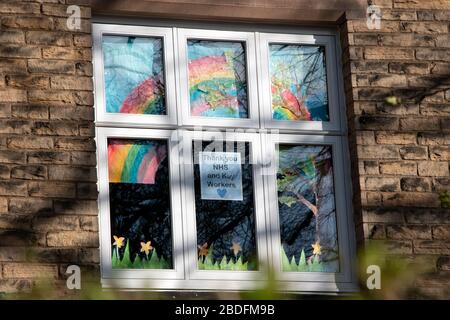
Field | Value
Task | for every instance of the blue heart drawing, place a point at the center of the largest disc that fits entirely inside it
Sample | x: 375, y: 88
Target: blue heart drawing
x: 222, y: 192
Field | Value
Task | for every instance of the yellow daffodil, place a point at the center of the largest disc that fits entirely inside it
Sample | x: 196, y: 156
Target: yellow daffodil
x: 146, y: 247
x: 118, y: 241
x: 316, y: 248
x: 236, y: 247
x: 203, y: 250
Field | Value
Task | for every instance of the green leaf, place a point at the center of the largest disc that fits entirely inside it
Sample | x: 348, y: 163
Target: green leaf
x: 287, y: 200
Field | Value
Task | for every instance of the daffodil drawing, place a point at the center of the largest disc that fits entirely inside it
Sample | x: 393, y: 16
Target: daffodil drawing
x: 203, y: 250
x: 146, y: 247
x: 316, y: 248
x: 118, y: 242
x: 236, y: 248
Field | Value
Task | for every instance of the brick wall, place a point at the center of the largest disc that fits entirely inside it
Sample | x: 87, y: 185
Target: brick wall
x: 48, y: 209
x: 402, y: 147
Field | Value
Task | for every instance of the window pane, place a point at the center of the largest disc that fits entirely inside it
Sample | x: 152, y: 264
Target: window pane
x: 139, y: 193
x: 224, y: 207
x: 298, y: 82
x: 307, y: 209
x: 217, y: 79
x: 134, y: 75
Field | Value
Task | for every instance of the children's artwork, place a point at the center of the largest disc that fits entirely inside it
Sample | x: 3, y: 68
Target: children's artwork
x: 134, y: 162
x: 217, y: 79
x: 139, y: 194
x: 226, y: 237
x: 307, y: 209
x: 134, y: 75
x: 298, y: 82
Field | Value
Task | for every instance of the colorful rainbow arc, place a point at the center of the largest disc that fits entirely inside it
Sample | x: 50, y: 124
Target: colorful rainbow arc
x: 143, y: 98
x: 134, y: 163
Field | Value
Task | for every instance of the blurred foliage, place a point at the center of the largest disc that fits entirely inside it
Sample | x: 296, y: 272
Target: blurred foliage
x: 444, y: 197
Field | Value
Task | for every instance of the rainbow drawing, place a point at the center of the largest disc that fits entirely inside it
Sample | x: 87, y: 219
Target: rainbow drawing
x: 216, y: 80
x: 134, y: 75
x: 144, y: 98
x: 298, y: 83
x: 134, y: 162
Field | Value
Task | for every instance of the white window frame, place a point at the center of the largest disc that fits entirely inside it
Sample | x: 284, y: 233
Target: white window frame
x: 342, y: 205
x: 103, y: 134
x: 128, y: 119
x: 327, y: 41
x: 185, y: 275
x: 248, y: 38
x: 189, y: 212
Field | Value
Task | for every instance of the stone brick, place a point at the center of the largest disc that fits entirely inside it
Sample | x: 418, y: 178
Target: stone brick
x: 432, y: 247
x: 398, y: 247
x: 435, y: 109
x: 383, y: 215
x: 403, y: 232
x: 415, y: 184
x: 15, y: 126
x: 63, y: 53
x: 398, y: 168
x: 29, y: 111
x: 10, y: 156
x: 87, y: 190
x: 377, y: 122
x: 441, y: 184
x: 13, y: 188
x: 423, y: 27
x: 12, y: 36
x: 3, y: 207
x: 20, y: 51
x: 49, y: 38
x: 378, y: 152
x: 441, y: 232
x: 89, y: 255
x: 13, y: 66
x: 395, y: 138
x: 419, y: 124
x: 413, y: 152
x: 71, y: 83
x: 89, y: 223
x: 82, y: 40
x: 51, y: 66
x: 72, y: 239
x: 369, y: 67
x: 442, y: 68
x: 388, y: 53
x: 409, y: 67
x: 382, y: 184
x: 53, y: 157
x: 441, y: 153
x: 19, y: 7
x: 375, y: 231
x: 433, y: 138
x: 55, y: 128
x: 60, y: 10
x: 13, y: 95
x: 72, y: 173
x: 410, y: 199
x: 75, y: 144
x: 27, y: 81
x: 29, y: 172
x: 419, y: 4
x: 76, y: 207
x: 365, y: 137
x: 428, y: 215
x: 56, y: 223
x: 72, y: 113
x: 28, y: 270
x: 83, y: 158
x: 84, y: 68
x: 84, y: 98
x: 30, y: 143
x: 30, y: 206
x: 23, y: 22
x: 4, y: 172
x: 51, y: 95
x: 443, y: 263
x: 52, y: 189
x: 433, y: 169
x: 433, y: 54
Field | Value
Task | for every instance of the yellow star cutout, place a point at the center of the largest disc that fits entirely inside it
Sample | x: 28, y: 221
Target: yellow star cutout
x: 236, y: 247
x: 146, y: 247
x: 316, y: 248
x: 118, y: 242
x: 203, y: 250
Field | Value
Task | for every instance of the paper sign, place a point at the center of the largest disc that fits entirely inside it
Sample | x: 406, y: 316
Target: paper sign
x: 220, y: 175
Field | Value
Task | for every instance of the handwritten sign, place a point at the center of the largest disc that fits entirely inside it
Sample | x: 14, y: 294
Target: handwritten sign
x: 220, y: 175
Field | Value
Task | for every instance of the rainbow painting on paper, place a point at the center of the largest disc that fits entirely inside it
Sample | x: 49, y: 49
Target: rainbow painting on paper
x: 298, y: 82
x: 135, y: 161
x: 134, y: 75
x: 217, y: 79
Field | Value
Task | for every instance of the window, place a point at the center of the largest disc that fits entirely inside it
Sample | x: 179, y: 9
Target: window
x: 221, y: 156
